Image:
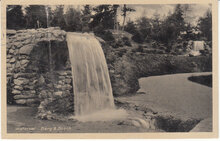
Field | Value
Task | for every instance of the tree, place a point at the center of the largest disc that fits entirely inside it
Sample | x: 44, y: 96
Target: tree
x: 36, y: 16
x: 189, y: 33
x: 15, y: 17
x: 172, y: 26
x: 116, y: 23
x: 124, y: 10
x: 187, y: 9
x: 144, y: 27
x: 205, y: 25
x: 156, y: 26
x: 156, y: 19
x: 58, y: 17
x: 177, y: 19
x: 131, y: 27
x: 73, y: 20
x: 86, y: 17
x: 137, y: 37
x: 103, y: 17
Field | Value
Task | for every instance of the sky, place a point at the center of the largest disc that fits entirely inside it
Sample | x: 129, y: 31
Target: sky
x: 148, y: 10
x: 195, y: 11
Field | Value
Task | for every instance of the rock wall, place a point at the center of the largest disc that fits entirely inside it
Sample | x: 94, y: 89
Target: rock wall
x: 23, y: 88
x: 55, y: 94
x: 21, y: 43
x: 23, y: 75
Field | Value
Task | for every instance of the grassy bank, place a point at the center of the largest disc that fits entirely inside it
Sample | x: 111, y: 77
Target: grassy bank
x: 131, y: 67
x: 204, y: 80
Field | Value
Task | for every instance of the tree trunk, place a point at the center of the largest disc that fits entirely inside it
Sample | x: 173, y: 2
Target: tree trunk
x: 124, y: 16
x: 116, y: 17
x: 123, y: 24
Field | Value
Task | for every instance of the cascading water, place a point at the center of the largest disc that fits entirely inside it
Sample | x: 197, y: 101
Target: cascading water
x: 49, y: 46
x: 198, y: 45
x: 91, y: 82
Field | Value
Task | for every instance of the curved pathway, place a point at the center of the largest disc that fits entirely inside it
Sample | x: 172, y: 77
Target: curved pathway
x: 174, y: 95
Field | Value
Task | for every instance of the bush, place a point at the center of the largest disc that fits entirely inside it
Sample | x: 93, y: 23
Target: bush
x: 116, y: 44
x: 161, y: 52
x: 10, y: 96
x: 185, y: 64
x: 130, y: 67
x: 119, y: 43
x: 126, y: 80
x: 126, y: 41
x: 105, y: 35
x: 137, y: 38
x: 131, y: 27
x: 162, y: 64
x: 140, y: 49
x: 154, y: 44
x: 204, y: 80
x: 127, y: 65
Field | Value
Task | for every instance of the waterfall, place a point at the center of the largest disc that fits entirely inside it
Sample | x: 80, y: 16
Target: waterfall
x: 198, y: 45
x: 49, y: 47
x: 91, y: 82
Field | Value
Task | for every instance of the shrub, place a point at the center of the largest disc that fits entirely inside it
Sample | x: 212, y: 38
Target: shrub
x: 105, y: 35
x: 119, y: 43
x: 10, y: 96
x: 131, y: 27
x: 204, y: 80
x: 161, y: 52
x: 140, y: 49
x: 137, y: 38
x: 126, y: 41
x: 130, y: 67
x: 126, y: 80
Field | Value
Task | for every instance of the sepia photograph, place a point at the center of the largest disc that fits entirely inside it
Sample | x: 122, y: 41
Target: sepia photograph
x: 109, y: 68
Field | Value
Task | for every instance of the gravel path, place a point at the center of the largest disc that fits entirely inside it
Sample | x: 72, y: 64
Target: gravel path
x: 175, y: 95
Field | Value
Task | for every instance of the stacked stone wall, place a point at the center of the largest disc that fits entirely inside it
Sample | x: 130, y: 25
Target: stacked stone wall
x: 22, y: 74
x: 56, y: 94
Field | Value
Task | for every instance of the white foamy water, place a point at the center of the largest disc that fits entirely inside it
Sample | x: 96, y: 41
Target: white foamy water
x: 103, y: 115
x: 198, y: 45
x: 93, y: 97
